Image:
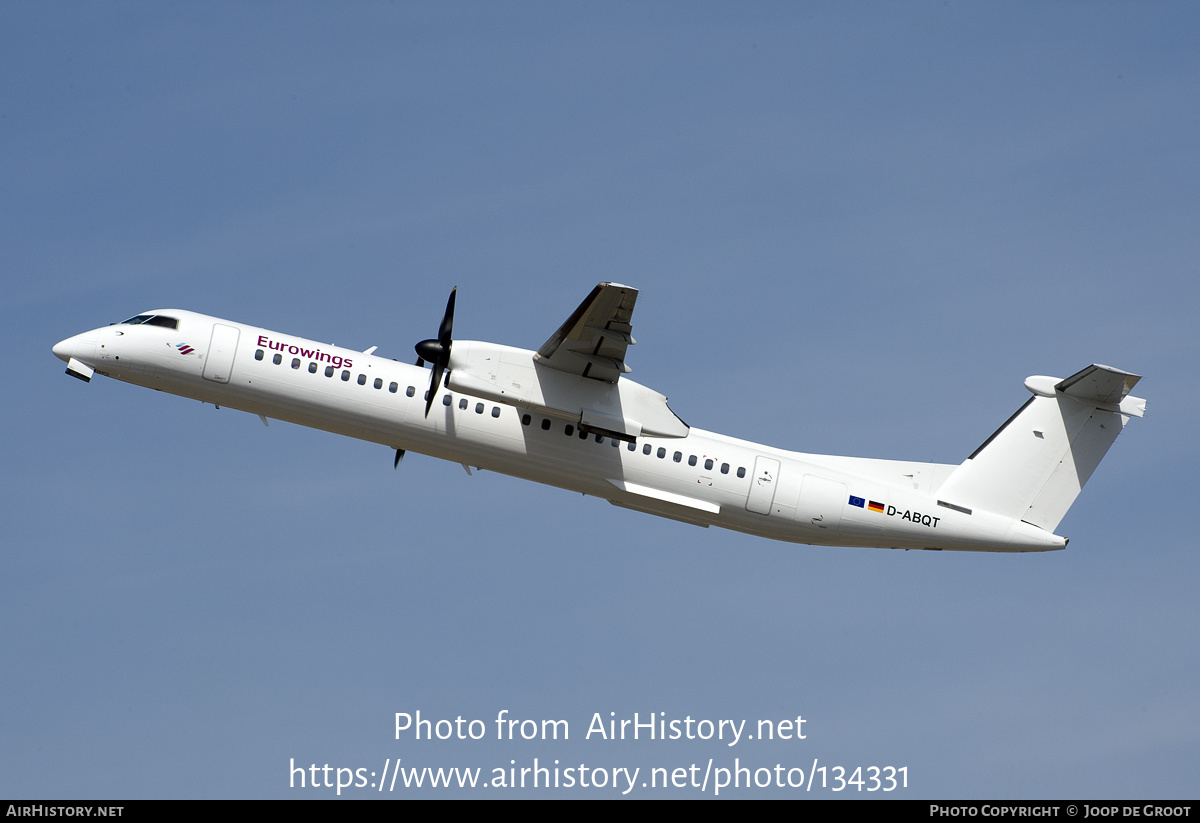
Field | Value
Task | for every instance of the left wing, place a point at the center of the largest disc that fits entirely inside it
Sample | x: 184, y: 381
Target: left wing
x: 593, y: 341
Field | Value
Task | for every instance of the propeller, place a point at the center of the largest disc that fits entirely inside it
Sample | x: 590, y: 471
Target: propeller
x: 437, y: 352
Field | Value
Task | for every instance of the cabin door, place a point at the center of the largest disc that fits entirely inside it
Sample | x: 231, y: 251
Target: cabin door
x: 218, y: 363
x: 762, y: 485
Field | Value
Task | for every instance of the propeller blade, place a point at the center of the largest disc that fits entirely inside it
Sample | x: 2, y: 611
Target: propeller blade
x: 444, y: 334
x: 437, y: 352
x: 435, y: 380
x: 399, y: 457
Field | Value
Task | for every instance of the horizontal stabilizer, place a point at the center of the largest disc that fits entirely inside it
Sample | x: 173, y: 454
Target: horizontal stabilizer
x: 1099, y: 384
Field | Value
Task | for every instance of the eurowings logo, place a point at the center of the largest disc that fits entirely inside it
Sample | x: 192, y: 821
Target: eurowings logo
x: 184, y: 348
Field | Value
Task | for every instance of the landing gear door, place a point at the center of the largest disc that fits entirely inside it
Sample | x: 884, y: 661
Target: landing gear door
x: 762, y: 485
x: 821, y: 503
x: 218, y: 363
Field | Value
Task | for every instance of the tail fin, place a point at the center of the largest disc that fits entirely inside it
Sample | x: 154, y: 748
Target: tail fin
x: 1034, y: 466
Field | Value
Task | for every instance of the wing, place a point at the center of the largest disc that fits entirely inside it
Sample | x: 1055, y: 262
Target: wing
x: 593, y: 341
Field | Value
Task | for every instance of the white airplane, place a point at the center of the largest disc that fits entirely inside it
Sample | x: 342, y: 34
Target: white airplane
x: 566, y: 416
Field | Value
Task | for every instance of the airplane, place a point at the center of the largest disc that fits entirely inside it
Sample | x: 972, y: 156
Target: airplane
x: 567, y: 416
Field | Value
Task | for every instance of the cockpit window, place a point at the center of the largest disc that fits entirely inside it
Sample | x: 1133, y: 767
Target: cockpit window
x: 152, y: 320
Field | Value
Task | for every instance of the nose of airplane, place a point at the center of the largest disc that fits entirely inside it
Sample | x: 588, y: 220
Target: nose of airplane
x: 81, y: 347
x: 65, y: 349
x: 79, y: 353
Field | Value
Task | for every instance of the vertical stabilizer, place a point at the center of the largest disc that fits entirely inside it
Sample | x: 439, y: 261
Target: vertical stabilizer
x: 1034, y: 466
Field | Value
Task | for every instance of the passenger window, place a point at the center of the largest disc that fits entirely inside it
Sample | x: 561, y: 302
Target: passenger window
x: 312, y: 368
x: 569, y: 430
x: 329, y: 370
x: 708, y: 465
x: 691, y: 459
x: 345, y: 376
x: 545, y: 424
x: 446, y: 401
x: 295, y: 362
x: 646, y: 448
x: 661, y: 452
x: 599, y: 438
x: 741, y: 471
x: 677, y: 456
x: 258, y: 354
x: 526, y: 419
x: 378, y: 383
x: 724, y: 468
x: 495, y: 411
x: 632, y: 446
x: 582, y: 434
x: 392, y: 387
x: 410, y: 391
x: 277, y: 359
x: 362, y: 380
x: 462, y: 403
x: 616, y: 443
x: 479, y: 408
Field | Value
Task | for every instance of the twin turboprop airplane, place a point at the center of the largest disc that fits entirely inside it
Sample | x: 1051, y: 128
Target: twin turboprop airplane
x: 567, y: 416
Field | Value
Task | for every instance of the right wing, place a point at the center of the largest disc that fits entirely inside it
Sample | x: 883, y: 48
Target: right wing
x: 593, y: 340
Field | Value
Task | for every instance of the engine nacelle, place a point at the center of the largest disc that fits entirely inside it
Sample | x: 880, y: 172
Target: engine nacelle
x: 510, y: 375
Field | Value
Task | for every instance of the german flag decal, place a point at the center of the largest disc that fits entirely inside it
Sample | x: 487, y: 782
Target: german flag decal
x: 875, y: 507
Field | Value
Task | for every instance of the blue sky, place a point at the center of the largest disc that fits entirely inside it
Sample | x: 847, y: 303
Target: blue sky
x: 856, y: 230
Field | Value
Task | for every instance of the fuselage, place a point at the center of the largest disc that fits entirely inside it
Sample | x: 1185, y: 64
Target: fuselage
x: 703, y: 478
